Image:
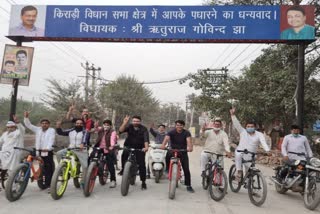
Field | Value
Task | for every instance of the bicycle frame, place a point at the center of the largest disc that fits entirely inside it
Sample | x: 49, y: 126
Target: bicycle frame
x: 70, y: 167
x: 175, y: 160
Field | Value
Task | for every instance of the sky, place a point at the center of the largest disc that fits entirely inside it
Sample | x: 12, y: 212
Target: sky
x: 146, y: 61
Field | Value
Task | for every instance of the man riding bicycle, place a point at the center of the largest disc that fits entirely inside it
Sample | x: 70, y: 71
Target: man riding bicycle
x: 107, y: 139
x: 45, y: 138
x: 138, y: 138
x: 77, y: 139
x: 217, y: 142
x: 250, y: 139
x: 180, y: 139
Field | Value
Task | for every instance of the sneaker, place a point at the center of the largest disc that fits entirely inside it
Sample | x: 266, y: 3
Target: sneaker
x: 190, y: 189
x: 121, y: 172
x: 148, y: 177
x: 113, y: 184
x: 143, y: 186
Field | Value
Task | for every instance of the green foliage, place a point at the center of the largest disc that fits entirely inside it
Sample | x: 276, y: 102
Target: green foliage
x: 128, y: 97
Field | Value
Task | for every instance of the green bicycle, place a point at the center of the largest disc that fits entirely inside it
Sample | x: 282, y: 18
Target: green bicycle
x: 69, y: 167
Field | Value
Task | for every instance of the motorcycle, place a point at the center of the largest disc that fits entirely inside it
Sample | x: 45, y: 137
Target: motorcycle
x: 157, y: 161
x: 300, y: 176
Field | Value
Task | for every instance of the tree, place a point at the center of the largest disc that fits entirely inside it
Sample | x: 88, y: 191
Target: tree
x: 127, y: 96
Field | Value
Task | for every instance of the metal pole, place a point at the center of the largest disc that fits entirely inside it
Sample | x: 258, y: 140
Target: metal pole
x: 300, y: 86
x: 14, y: 94
x: 93, y: 80
x: 87, y: 82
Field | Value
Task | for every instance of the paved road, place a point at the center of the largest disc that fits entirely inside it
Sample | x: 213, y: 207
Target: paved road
x: 154, y: 200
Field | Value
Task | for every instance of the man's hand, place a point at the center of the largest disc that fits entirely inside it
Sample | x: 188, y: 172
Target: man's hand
x: 71, y: 108
x: 126, y: 119
x: 203, y: 128
x: 229, y: 154
x: 152, y: 125
x: 81, y: 146
x: 189, y: 149
x: 15, y: 119
x: 26, y: 114
x: 145, y: 149
x: 58, y: 124
x: 232, y: 111
x: 163, y: 147
x: 285, y: 158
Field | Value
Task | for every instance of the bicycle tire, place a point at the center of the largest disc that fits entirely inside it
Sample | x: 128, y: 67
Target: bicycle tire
x: 173, y: 181
x: 41, y: 179
x: 235, y: 187
x: 60, y: 171
x: 104, y: 174
x: 90, y: 179
x: 13, y: 195
x: 125, y: 182
x: 251, y: 187
x: 215, y: 176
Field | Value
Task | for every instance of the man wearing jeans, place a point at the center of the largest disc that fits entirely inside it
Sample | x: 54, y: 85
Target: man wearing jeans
x: 180, y: 139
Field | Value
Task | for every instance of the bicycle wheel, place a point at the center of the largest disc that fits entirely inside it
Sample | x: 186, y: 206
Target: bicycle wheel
x: 133, y: 173
x: 41, y: 179
x: 90, y: 179
x: 17, y: 182
x: 173, y: 181
x: 257, y: 188
x: 218, y: 184
x: 76, y: 180
x: 59, y: 181
x: 125, y: 182
x: 310, y: 197
x: 104, y: 173
x: 235, y: 185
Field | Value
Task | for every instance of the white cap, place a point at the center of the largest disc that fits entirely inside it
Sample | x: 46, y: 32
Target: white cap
x: 10, y: 124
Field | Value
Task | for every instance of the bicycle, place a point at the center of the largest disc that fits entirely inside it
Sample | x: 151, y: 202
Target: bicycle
x: 130, y: 170
x: 69, y: 167
x: 18, y: 180
x: 174, y: 171
x: 215, y: 178
x: 253, y: 180
x: 97, y: 167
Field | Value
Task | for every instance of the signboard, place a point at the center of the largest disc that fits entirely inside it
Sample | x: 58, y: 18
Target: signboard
x: 16, y: 64
x: 163, y: 23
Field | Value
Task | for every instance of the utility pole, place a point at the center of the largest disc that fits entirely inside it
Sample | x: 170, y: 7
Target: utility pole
x: 94, y: 78
x: 186, y: 120
x: 178, y: 110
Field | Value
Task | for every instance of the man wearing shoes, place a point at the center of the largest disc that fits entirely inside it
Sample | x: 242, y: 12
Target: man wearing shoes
x: 138, y: 138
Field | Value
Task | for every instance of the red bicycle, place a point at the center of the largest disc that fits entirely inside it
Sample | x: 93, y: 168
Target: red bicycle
x: 174, y: 171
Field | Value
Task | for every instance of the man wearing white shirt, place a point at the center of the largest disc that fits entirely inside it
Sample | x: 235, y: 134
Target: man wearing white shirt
x: 217, y: 142
x: 250, y: 139
x: 45, y: 138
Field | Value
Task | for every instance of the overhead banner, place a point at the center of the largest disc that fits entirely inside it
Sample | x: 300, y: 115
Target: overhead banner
x: 16, y: 64
x: 164, y: 23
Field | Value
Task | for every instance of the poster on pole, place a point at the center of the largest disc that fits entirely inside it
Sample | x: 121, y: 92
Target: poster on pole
x: 192, y: 24
x: 16, y: 64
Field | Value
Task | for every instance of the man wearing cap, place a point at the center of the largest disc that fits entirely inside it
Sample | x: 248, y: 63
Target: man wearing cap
x: 13, y: 137
x: 45, y: 138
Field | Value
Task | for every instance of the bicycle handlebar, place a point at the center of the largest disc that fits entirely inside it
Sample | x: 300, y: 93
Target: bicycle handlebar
x: 30, y: 149
x: 212, y: 153
x: 130, y: 149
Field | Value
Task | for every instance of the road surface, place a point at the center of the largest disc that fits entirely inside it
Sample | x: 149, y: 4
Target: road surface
x: 154, y: 200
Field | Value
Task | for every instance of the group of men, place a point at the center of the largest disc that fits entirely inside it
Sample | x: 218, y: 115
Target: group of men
x: 138, y: 137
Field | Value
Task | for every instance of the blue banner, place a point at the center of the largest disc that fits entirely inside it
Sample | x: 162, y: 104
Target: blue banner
x: 153, y: 23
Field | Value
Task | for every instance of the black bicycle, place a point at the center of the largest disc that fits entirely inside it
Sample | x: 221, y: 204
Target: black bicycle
x: 97, y: 167
x: 215, y: 178
x: 253, y: 180
x: 130, y: 170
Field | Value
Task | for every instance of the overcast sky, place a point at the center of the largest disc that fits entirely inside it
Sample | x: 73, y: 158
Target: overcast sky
x: 148, y: 62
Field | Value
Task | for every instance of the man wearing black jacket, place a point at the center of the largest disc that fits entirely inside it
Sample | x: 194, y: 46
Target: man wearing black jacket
x: 138, y: 138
